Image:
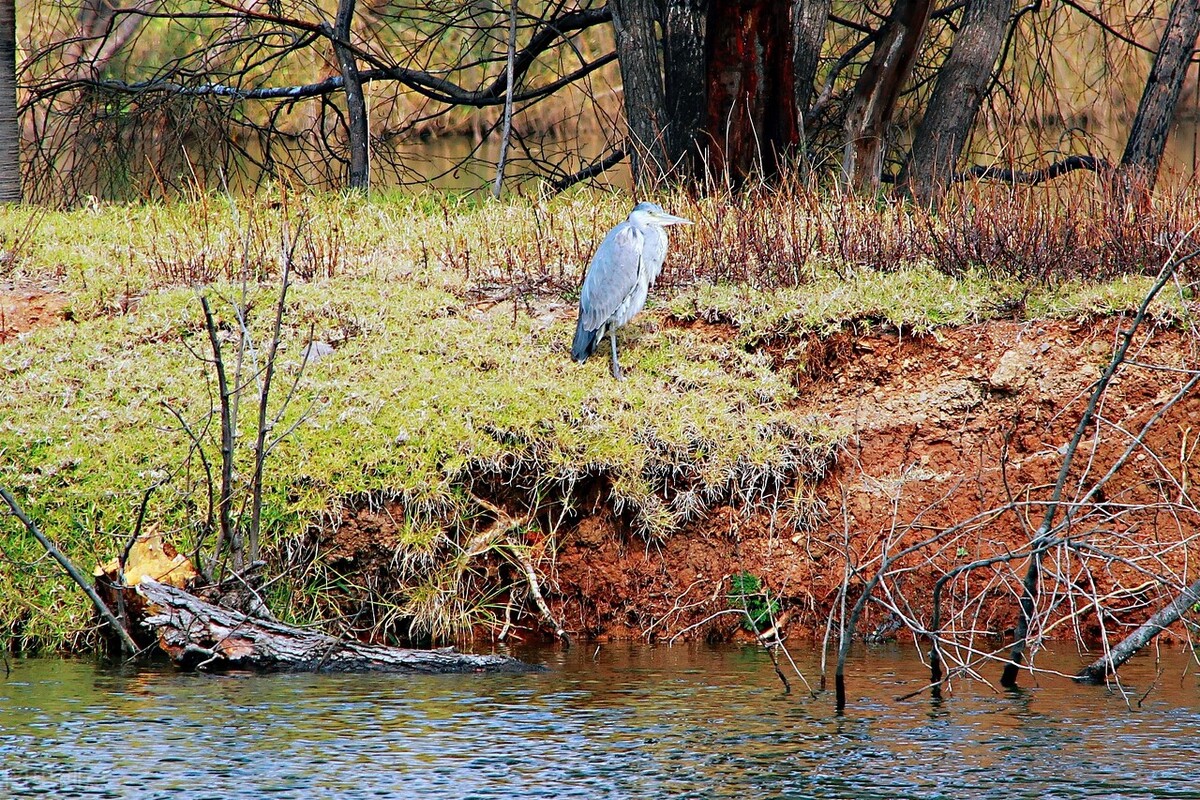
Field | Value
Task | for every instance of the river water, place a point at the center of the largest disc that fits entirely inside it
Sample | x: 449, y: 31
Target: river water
x: 623, y: 721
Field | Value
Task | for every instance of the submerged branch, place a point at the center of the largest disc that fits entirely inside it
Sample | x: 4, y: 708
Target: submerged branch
x: 1043, y: 537
x: 1101, y: 668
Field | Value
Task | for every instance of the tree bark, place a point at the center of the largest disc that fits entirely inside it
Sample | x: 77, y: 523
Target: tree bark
x: 957, y: 95
x: 874, y: 97
x: 356, y: 106
x: 645, y: 106
x: 684, y: 34
x: 809, y: 18
x: 199, y: 635
x: 1148, y: 138
x: 10, y: 132
x: 506, y: 128
x: 1101, y: 668
x: 752, y: 118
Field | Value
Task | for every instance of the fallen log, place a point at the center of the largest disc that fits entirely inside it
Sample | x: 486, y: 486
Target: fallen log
x: 201, y: 636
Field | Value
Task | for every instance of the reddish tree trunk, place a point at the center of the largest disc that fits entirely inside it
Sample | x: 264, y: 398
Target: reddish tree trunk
x: 751, y: 118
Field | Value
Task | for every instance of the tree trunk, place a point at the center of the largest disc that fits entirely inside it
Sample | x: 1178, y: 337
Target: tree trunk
x: 645, y: 109
x: 1101, y: 668
x: 199, y: 635
x: 10, y: 133
x: 684, y: 35
x: 874, y: 97
x: 99, y: 37
x: 809, y: 18
x: 957, y: 95
x: 356, y: 106
x: 752, y: 118
x: 1148, y: 138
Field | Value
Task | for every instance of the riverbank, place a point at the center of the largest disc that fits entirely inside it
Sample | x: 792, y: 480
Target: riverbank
x: 796, y: 408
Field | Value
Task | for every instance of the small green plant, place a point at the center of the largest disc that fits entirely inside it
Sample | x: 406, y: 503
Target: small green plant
x: 747, y: 594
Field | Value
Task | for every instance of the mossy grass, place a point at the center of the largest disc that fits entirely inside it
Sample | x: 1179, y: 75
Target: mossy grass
x: 451, y: 322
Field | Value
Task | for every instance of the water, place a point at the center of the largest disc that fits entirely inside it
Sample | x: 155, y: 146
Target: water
x: 688, y: 721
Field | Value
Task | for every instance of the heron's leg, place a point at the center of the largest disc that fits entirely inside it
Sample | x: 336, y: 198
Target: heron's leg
x: 616, y: 366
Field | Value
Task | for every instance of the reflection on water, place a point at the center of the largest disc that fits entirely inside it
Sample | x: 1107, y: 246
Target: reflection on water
x: 634, y: 722
x: 460, y: 164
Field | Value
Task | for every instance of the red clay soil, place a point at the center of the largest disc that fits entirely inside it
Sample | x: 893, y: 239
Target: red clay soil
x: 942, y: 428
x: 24, y: 310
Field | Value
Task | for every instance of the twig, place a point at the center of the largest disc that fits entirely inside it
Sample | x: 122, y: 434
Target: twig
x: 137, y: 526
x: 133, y: 537
x: 225, y: 498
x: 705, y: 621
x: 336, y: 643
x: 787, y: 687
x: 127, y: 642
x: 508, y: 608
x: 1149, y: 689
x: 264, y: 426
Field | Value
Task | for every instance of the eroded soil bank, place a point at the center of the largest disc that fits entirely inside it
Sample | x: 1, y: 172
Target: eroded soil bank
x: 954, y: 438
x: 966, y: 427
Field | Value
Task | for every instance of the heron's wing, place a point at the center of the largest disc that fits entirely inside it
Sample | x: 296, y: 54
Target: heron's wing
x: 654, y: 253
x: 613, y: 274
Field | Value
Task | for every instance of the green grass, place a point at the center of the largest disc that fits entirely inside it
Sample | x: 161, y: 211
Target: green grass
x: 452, y: 370
x: 913, y: 297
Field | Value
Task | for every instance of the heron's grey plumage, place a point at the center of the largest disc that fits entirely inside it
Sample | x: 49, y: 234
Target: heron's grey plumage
x: 625, y: 266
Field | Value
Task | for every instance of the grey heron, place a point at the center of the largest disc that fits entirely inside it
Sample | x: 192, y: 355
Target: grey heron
x: 625, y: 266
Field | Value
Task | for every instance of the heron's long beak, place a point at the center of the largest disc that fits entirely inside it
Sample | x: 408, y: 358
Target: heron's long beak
x: 671, y: 219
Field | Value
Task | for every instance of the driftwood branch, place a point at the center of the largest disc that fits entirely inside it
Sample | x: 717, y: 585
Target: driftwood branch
x: 105, y: 612
x: 199, y: 635
x: 535, y: 591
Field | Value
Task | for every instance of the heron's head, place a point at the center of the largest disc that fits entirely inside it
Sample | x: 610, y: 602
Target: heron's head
x: 653, y: 214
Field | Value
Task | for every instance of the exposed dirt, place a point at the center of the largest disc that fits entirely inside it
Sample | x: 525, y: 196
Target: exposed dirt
x: 942, y: 428
x: 23, y: 310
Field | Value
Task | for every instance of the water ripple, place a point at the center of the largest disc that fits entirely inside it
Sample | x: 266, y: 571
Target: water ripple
x: 636, y: 722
